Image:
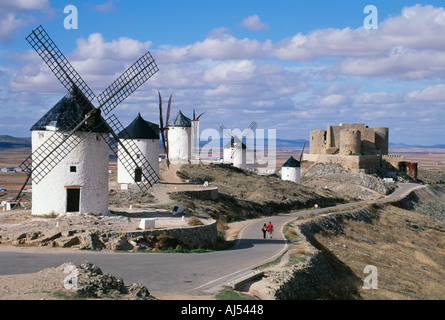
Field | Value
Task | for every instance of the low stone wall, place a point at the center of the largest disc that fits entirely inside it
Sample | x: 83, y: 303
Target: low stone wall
x: 111, y: 233
x: 198, y: 237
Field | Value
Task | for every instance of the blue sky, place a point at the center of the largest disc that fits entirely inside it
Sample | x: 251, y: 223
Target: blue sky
x: 289, y: 65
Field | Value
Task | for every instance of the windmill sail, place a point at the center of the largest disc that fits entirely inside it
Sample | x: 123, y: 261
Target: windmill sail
x: 128, y: 153
x: 127, y: 83
x: 56, y: 61
x: 63, y: 140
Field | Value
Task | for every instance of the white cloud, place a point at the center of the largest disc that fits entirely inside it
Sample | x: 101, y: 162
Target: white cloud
x: 418, y: 27
x: 220, y: 46
x: 254, y: 23
x: 104, y: 7
x: 15, y: 14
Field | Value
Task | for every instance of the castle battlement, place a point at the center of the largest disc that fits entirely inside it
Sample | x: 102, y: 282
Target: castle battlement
x: 350, y: 139
x: 353, y: 146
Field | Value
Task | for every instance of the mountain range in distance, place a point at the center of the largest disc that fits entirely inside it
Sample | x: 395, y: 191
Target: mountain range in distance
x: 9, y: 142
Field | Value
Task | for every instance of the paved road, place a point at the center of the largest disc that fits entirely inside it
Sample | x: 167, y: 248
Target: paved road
x: 169, y: 274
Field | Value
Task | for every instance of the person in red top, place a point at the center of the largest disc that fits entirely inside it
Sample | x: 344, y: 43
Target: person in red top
x: 270, y: 229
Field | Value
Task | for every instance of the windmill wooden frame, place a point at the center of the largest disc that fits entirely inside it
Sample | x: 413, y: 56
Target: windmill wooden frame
x: 58, y: 147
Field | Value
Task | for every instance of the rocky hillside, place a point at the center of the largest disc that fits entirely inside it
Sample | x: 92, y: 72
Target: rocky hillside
x: 245, y: 195
x: 334, y: 172
x: 406, y: 247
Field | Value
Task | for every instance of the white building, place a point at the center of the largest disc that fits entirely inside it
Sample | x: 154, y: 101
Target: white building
x: 235, y: 153
x: 145, y: 135
x: 79, y: 183
x: 291, y: 170
x: 180, y: 139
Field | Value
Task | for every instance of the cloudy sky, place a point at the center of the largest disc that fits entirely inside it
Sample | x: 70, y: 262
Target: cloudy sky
x: 289, y: 65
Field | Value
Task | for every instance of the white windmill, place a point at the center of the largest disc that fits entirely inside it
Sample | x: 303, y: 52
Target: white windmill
x: 145, y: 135
x: 236, y: 150
x: 291, y: 169
x: 69, y: 162
x: 180, y: 139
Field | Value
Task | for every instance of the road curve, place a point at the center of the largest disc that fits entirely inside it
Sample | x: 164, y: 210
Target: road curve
x: 172, y: 274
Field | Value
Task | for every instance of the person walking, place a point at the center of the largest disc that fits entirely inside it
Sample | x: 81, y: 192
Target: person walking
x: 270, y: 229
x: 264, y: 229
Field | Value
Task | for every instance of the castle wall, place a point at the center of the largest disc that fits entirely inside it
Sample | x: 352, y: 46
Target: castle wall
x: 393, y: 162
x: 333, y: 137
x: 382, y: 140
x: 351, y: 162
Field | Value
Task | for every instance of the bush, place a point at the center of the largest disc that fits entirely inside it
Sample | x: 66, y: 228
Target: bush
x: 166, y: 242
x: 193, y: 221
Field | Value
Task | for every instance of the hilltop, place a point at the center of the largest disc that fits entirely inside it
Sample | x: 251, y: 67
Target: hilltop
x: 8, y: 142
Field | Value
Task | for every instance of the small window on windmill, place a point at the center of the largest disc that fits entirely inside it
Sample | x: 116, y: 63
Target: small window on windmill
x: 41, y: 135
x: 73, y: 169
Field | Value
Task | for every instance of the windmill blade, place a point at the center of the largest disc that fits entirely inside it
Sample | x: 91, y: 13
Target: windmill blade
x: 250, y: 130
x: 127, y: 83
x: 225, y: 131
x: 161, y: 120
x: 302, y: 151
x: 56, y: 148
x: 169, y: 106
x: 56, y: 61
x: 200, y: 115
x: 166, y: 131
x: 127, y: 154
x: 194, y: 115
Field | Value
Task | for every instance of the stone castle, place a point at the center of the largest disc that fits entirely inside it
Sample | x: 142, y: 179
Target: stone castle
x: 355, y: 147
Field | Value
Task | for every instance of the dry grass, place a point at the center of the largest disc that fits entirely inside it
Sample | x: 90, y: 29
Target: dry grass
x: 407, y: 248
x: 193, y: 221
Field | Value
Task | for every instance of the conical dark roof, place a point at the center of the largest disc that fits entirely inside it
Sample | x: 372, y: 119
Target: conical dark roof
x: 69, y: 112
x: 292, y: 163
x: 234, y: 142
x: 180, y: 121
x: 140, y: 129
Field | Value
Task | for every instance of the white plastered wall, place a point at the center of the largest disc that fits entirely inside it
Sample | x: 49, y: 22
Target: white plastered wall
x: 179, y: 144
x: 90, y: 158
x: 291, y: 174
x: 149, y: 149
x: 240, y: 158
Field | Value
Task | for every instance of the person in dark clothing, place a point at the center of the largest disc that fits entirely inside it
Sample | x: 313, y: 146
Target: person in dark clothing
x: 264, y: 229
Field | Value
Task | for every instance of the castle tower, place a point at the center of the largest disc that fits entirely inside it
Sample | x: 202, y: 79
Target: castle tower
x: 382, y: 140
x: 79, y: 183
x: 350, y: 142
x: 146, y: 137
x: 179, y: 139
x: 317, y: 143
x: 291, y: 170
